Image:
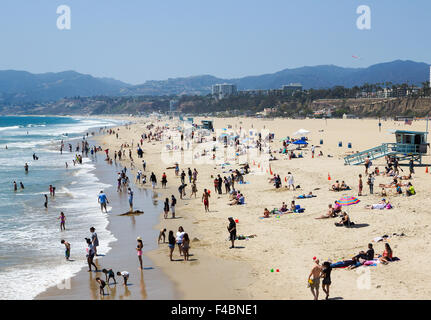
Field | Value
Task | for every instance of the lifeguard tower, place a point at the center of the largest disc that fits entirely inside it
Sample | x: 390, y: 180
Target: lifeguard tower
x: 409, y: 145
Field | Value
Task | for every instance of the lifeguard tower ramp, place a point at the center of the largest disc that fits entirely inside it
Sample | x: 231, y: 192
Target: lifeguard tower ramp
x: 410, y: 145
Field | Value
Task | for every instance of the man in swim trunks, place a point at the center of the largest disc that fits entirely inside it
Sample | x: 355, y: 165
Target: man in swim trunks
x: 103, y: 200
x: 315, y: 282
x: 67, y: 251
x: 205, y: 200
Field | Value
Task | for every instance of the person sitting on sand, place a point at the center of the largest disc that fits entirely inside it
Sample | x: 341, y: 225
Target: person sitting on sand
x: 337, y: 207
x: 336, y: 186
x: 239, y: 200
x: 369, y: 255
x: 329, y: 214
x: 383, y: 193
x: 344, y: 186
x: 292, y: 206
x: 284, y: 208
x: 266, y: 213
x: 387, y: 254
x: 376, y: 171
x: 410, y: 190
x: 345, y: 220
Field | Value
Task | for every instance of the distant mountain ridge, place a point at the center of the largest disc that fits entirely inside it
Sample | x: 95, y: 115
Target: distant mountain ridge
x: 24, y: 87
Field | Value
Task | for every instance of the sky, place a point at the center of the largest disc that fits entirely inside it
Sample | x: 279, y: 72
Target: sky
x: 139, y: 40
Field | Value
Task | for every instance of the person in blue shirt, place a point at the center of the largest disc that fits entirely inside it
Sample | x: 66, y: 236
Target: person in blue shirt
x: 103, y: 200
x: 130, y: 193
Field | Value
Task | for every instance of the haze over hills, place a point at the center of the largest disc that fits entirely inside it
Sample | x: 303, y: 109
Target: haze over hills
x: 23, y: 87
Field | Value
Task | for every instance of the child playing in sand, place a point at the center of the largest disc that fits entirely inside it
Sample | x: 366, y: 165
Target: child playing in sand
x: 108, y: 275
x: 162, y: 235
x: 102, y: 286
x: 67, y: 251
x: 125, y: 276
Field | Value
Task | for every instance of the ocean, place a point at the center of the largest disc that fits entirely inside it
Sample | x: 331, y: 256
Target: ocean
x: 31, y: 255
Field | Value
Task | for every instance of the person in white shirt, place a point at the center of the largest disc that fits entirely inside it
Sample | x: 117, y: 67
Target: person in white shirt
x: 125, y: 276
x: 179, y: 239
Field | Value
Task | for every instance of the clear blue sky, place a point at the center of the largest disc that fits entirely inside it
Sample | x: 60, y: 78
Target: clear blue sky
x: 139, y: 40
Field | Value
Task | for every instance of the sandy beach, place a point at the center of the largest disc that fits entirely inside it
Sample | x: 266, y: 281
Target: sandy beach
x: 289, y: 242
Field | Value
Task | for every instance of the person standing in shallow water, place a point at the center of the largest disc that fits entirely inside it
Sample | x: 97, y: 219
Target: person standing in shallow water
x: 62, y: 218
x: 139, y: 250
x: 46, y: 202
x: 94, y: 239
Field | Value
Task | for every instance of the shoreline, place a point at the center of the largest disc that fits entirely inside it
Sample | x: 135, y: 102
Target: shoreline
x: 153, y: 284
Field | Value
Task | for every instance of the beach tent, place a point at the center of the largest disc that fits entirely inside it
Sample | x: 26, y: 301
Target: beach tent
x: 301, y: 133
x: 300, y: 142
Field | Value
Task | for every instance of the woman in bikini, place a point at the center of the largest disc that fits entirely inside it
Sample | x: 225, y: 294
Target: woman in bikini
x: 139, y: 250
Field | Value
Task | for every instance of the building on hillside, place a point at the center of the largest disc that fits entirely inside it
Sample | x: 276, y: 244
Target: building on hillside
x: 268, y: 111
x: 224, y: 90
x: 291, y: 88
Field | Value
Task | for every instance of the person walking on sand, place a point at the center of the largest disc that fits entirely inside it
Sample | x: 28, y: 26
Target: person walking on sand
x: 153, y: 180
x: 232, y: 231
x: 139, y: 250
x: 166, y: 208
x: 173, y: 204
x: 367, y: 164
x: 130, y: 194
x: 326, y: 276
x: 164, y: 180
x: 315, y: 282
x: 205, y: 200
x: 172, y: 242
x: 194, y: 190
x: 179, y: 239
x: 371, y: 183
x: 103, y: 200
x: 186, y: 246
x: 360, y: 185
x: 67, y: 249
x: 290, y: 181
x: 62, y: 218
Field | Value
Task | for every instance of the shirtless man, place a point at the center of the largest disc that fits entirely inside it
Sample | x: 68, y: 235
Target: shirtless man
x: 315, y: 282
x: 330, y: 214
x: 205, y: 200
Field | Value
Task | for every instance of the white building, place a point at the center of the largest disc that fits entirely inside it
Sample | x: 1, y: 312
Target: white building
x: 224, y: 90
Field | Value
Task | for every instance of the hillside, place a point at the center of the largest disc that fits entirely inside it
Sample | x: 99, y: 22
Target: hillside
x: 17, y: 87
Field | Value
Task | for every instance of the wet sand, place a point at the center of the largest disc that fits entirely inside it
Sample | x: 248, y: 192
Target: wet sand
x: 150, y: 283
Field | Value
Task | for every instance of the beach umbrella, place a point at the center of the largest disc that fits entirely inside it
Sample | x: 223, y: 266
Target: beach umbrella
x: 347, y: 201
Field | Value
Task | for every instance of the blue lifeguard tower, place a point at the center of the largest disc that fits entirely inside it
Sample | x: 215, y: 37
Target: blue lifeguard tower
x: 409, y: 145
